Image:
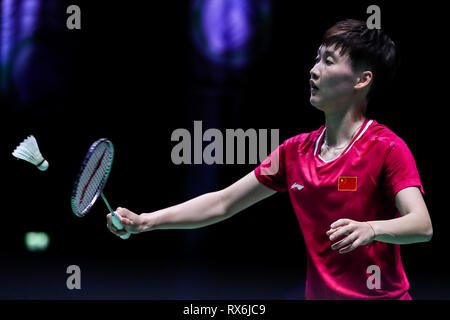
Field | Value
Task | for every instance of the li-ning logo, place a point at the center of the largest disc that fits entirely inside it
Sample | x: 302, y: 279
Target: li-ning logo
x: 298, y: 186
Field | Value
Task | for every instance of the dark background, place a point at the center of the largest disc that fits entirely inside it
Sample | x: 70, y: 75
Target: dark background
x: 134, y: 73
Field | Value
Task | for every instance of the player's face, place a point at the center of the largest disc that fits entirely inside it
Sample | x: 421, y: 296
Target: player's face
x: 332, y: 79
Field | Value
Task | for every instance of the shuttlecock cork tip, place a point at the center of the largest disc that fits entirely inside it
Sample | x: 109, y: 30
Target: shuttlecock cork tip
x: 43, y: 166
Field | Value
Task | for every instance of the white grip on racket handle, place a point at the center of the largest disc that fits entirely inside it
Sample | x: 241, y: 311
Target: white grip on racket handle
x: 115, y: 218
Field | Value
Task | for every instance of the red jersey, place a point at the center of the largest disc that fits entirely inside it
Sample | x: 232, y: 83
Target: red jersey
x: 360, y: 184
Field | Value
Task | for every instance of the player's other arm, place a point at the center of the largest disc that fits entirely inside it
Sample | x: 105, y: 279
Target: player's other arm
x: 413, y: 226
x: 201, y: 211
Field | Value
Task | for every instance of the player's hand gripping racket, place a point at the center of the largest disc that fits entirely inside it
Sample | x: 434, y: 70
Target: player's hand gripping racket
x: 92, y: 179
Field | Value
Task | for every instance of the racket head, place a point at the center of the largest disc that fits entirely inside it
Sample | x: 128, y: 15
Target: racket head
x: 92, y: 177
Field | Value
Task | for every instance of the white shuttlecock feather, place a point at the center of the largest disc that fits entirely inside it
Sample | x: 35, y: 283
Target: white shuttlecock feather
x: 28, y: 150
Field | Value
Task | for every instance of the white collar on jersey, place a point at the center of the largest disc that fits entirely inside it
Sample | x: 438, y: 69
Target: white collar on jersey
x: 357, y: 138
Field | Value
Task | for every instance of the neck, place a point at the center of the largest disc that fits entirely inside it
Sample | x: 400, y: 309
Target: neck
x: 341, y: 124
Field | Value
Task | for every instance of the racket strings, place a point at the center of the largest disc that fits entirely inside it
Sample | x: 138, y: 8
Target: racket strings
x: 93, y: 176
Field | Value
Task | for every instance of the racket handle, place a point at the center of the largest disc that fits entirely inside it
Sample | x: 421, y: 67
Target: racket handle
x: 115, y: 218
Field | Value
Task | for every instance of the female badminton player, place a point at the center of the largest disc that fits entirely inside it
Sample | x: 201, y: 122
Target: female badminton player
x: 353, y: 183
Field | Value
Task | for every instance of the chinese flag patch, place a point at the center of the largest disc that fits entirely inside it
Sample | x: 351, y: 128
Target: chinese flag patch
x: 347, y: 183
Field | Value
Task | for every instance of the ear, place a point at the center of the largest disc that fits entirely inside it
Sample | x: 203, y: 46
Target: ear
x: 364, y: 80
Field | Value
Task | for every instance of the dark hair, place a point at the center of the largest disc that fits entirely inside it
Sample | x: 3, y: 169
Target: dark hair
x: 368, y: 48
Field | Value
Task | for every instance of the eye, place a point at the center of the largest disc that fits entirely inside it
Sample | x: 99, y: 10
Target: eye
x: 329, y: 62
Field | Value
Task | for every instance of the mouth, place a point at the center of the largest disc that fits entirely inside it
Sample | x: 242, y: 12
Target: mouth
x: 313, y: 86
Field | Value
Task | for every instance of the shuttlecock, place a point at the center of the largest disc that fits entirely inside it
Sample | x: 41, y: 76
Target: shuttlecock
x: 28, y: 150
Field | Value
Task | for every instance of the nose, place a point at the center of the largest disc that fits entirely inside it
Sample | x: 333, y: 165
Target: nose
x: 314, y: 72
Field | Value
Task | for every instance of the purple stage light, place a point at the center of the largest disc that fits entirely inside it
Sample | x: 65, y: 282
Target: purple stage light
x: 226, y: 25
x: 31, y: 54
x: 230, y: 32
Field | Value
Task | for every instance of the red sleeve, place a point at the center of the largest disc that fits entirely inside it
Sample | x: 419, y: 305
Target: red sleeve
x: 272, y: 171
x: 400, y: 170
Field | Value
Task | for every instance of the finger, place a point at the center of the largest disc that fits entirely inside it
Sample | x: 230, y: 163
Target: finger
x: 341, y: 232
x: 344, y: 242
x: 351, y: 247
x: 109, y: 223
x: 112, y: 228
x: 340, y: 223
x: 122, y: 211
x: 121, y: 232
x: 331, y: 231
x: 117, y: 232
x: 126, y: 221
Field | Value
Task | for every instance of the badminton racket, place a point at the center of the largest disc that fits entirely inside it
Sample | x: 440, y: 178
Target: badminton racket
x: 91, y: 181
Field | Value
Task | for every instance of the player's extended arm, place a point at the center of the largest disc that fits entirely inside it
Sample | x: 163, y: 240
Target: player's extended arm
x: 201, y: 211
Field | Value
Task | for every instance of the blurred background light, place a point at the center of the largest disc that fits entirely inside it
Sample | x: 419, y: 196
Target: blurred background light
x: 32, y: 48
x: 230, y: 32
x: 36, y: 241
